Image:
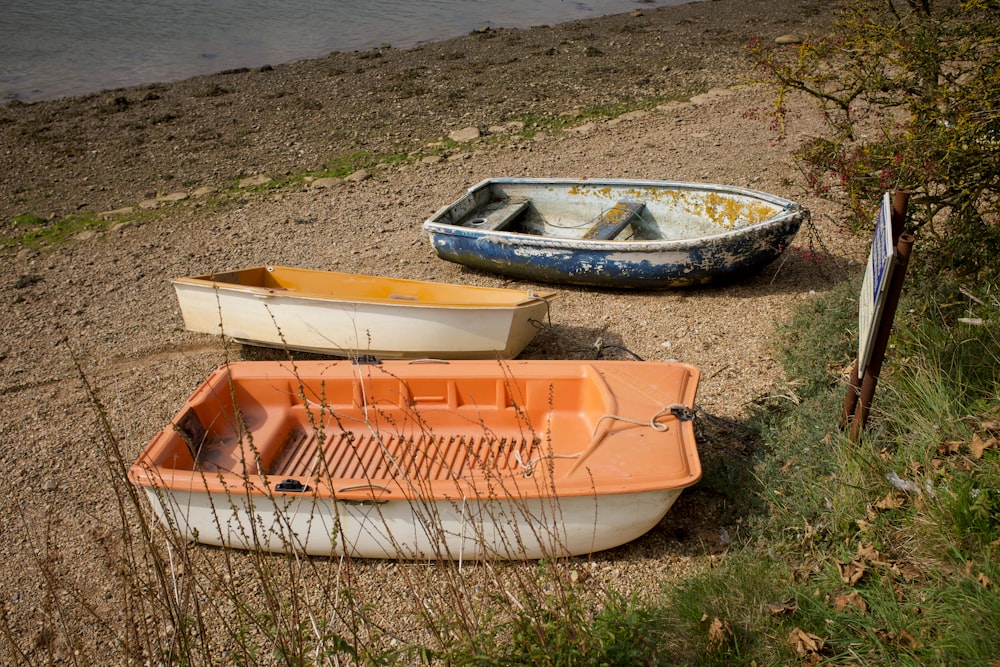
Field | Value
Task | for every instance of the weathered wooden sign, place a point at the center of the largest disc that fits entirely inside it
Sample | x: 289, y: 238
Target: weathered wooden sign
x: 875, y: 284
x: 880, y: 291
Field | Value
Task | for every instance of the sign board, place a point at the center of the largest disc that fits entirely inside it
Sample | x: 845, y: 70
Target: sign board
x: 875, y: 283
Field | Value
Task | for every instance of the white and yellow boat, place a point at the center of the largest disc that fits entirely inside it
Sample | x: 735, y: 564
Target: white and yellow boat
x: 350, y: 315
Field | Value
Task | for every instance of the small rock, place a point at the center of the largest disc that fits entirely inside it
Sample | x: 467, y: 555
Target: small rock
x: 327, y: 182
x: 121, y: 226
x: 358, y: 176
x: 49, y: 485
x: 253, y: 181
x: 465, y: 134
x: 107, y: 215
x: 432, y: 159
x: 203, y: 191
x: 148, y: 204
x: 631, y: 115
x: 173, y: 196
x: 785, y: 40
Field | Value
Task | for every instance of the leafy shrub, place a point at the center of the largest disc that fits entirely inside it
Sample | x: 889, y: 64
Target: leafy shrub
x: 910, y: 91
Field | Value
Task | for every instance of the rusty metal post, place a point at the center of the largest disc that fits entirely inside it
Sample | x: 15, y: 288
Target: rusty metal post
x: 900, y: 199
x: 870, y: 377
x: 850, y: 397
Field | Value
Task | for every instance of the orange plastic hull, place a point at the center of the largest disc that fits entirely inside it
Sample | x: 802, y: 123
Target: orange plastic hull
x: 558, y: 451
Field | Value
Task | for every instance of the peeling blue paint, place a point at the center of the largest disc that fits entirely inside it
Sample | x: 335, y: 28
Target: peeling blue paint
x: 615, y: 263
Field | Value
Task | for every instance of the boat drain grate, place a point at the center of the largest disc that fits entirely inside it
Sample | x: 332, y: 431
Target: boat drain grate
x: 369, y: 456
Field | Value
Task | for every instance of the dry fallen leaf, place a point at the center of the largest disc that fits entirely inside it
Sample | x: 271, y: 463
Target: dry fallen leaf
x: 852, y: 599
x: 984, y: 580
x: 804, y: 643
x: 990, y: 425
x: 908, y: 571
x: 949, y: 447
x: 851, y: 573
x: 906, y: 640
x: 903, y: 638
x: 891, y: 501
x: 719, y: 633
x: 979, y: 446
x: 869, y: 553
x: 786, y: 607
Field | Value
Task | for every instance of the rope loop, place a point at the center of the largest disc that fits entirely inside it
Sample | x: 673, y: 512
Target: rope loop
x: 679, y: 411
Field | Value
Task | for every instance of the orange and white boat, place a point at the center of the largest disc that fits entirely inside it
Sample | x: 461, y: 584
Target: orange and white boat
x: 426, y: 460
x: 349, y: 315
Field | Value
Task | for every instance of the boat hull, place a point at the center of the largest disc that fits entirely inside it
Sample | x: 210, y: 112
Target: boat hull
x: 447, y: 460
x: 688, y: 234
x: 532, y: 528
x: 348, y: 315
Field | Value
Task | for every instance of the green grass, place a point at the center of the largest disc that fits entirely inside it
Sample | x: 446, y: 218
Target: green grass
x: 876, y: 575
x: 557, y: 123
x: 31, y: 231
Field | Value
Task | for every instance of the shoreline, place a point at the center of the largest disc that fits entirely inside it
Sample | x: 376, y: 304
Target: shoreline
x: 157, y: 46
x: 106, y: 150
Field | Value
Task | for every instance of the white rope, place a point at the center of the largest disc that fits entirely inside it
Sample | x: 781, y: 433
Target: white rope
x: 659, y: 427
x: 652, y: 423
x: 529, y: 467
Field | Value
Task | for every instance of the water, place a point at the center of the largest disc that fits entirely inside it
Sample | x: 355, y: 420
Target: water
x: 57, y: 48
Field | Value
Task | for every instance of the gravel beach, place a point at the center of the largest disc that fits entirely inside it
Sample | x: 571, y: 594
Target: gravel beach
x: 178, y: 169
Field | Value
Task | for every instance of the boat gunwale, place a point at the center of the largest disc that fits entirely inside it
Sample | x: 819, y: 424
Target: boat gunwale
x: 378, y: 492
x: 788, y: 211
x: 531, y: 298
x: 159, y: 478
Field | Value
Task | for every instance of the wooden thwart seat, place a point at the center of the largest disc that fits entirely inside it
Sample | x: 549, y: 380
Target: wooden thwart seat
x: 498, y: 214
x: 614, y: 220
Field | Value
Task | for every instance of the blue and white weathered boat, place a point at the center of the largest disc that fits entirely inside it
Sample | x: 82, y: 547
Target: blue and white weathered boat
x: 614, y: 233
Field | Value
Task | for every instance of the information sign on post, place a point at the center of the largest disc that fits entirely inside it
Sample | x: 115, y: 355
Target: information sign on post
x: 875, y: 284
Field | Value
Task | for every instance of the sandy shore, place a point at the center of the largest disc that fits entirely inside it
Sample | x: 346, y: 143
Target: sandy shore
x: 108, y: 297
